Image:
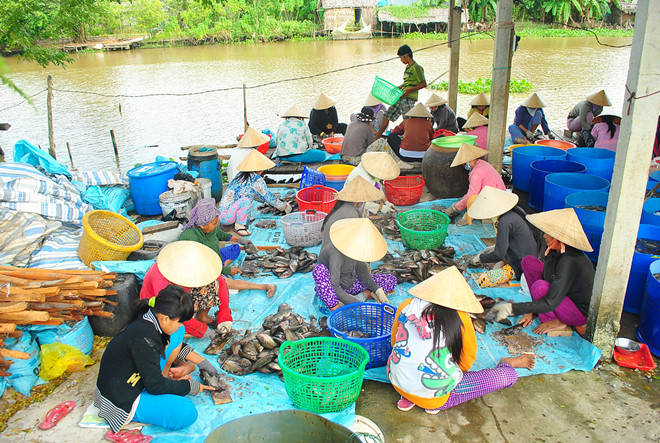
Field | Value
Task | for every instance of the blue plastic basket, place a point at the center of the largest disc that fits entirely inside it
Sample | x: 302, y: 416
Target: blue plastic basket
x: 374, y: 319
x: 311, y: 177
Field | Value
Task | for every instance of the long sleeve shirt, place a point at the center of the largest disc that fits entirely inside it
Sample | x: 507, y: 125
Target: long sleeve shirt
x: 571, y: 275
x: 212, y: 240
x: 416, y: 133
x: 293, y: 137
x: 482, y: 136
x: 604, y: 139
x: 445, y: 118
x: 586, y: 111
x: 523, y: 117
x: 254, y: 185
x: 359, y: 135
x: 514, y: 241
x: 483, y: 174
x: 320, y: 122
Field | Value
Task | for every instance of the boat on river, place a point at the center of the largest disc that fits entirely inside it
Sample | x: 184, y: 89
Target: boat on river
x: 344, y: 32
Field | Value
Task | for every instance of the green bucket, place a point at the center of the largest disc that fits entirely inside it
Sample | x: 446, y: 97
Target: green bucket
x: 423, y: 228
x: 454, y: 141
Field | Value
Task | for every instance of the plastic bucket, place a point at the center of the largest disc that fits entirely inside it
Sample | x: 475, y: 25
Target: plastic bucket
x: 337, y: 185
x: 592, y: 221
x: 638, y: 270
x: 559, y: 144
x: 181, y: 203
x: 208, y: 166
x: 560, y: 185
x: 649, y: 323
x: 541, y: 168
x: 599, y: 162
x: 147, y: 182
x: 523, y: 156
x: 205, y: 186
x: 651, y: 212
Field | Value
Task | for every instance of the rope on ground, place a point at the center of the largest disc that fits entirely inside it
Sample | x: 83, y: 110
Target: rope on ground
x: 23, y: 101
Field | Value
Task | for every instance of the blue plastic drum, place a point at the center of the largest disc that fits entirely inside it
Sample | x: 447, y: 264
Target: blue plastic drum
x: 540, y: 169
x: 592, y: 219
x: 649, y: 323
x: 522, y: 158
x: 638, y: 270
x: 147, y: 182
x: 599, y: 162
x: 560, y: 185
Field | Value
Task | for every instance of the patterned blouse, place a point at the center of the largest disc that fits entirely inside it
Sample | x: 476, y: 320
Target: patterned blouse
x: 255, y: 185
x: 293, y: 137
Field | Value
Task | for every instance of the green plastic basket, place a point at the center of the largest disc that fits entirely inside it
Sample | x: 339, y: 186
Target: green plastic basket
x: 322, y: 374
x: 385, y: 91
x: 423, y: 228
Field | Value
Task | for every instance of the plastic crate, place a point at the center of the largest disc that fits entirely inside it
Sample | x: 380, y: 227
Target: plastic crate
x: 303, y: 228
x: 108, y: 236
x: 423, y: 228
x: 374, y: 319
x: 320, y: 198
x: 311, y: 177
x: 385, y: 91
x: 404, y: 190
x: 322, y: 374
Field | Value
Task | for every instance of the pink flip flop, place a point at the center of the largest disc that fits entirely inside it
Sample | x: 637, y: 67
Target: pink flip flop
x: 56, y: 414
x: 132, y: 436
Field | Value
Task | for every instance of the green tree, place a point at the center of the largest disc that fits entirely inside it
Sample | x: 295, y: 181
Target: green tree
x: 561, y: 10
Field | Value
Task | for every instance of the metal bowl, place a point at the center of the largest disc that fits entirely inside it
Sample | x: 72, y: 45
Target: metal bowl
x: 626, y: 346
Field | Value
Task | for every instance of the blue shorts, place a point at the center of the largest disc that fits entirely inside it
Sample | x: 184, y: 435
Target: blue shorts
x: 230, y: 252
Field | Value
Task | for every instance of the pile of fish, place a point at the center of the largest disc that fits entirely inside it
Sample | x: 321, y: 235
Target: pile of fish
x: 265, y: 208
x: 386, y: 224
x: 479, y: 320
x: 647, y: 246
x: 281, y: 262
x: 415, y: 266
x: 266, y: 223
x: 597, y: 208
x: 257, y: 351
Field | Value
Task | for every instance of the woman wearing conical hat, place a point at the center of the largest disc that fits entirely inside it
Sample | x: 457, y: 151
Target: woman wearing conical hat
x: 378, y: 109
x: 375, y: 167
x: 482, y: 174
x: 294, y: 140
x: 248, y: 143
x: 237, y: 199
x: 443, y: 115
x: 412, y: 137
x: 514, y: 240
x: 323, y: 120
x: 582, y: 115
x: 359, y: 135
x: 434, y: 347
x: 529, y: 116
x: 477, y: 125
x: 560, y: 285
x: 342, y: 274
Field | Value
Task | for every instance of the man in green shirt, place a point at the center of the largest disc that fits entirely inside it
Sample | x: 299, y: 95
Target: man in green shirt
x: 413, y: 81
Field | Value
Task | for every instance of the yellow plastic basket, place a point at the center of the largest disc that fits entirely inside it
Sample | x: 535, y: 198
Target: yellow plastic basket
x: 108, y: 236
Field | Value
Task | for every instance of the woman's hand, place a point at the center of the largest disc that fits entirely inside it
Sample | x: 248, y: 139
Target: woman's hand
x: 235, y: 271
x: 526, y: 320
x: 205, y: 388
x: 181, y: 372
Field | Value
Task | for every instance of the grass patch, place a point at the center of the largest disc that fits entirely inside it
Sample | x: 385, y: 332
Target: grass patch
x: 527, y: 30
x: 483, y: 85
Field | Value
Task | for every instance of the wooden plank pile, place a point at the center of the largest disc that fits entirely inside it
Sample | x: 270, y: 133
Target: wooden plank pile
x: 30, y: 296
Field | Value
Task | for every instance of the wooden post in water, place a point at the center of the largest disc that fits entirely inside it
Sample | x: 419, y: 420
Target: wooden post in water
x: 453, y: 37
x: 114, y: 146
x: 499, y: 93
x: 49, y: 106
x: 68, y: 148
x: 624, y: 208
x: 245, y: 122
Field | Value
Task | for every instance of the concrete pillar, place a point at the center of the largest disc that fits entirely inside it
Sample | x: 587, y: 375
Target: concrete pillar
x: 453, y: 37
x: 624, y: 208
x: 499, y: 93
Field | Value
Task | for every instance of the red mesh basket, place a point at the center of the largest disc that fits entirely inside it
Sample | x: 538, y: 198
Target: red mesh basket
x: 319, y: 198
x: 404, y: 190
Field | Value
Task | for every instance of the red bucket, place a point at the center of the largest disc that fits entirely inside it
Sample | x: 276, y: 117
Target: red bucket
x: 404, y: 190
x: 320, y: 198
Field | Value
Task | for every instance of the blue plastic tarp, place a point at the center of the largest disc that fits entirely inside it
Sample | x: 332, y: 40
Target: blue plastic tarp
x: 25, y: 152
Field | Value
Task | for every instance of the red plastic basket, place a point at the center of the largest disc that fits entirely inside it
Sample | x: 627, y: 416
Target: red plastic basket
x: 404, y: 190
x: 320, y: 198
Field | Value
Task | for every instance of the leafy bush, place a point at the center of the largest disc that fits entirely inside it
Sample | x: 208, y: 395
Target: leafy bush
x: 484, y: 85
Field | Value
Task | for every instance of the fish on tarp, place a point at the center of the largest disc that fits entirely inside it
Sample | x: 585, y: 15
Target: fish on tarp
x: 218, y: 342
x: 221, y: 393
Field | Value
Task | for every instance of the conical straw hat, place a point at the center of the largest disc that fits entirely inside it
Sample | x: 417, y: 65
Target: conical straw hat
x: 533, y: 101
x: 599, y: 98
x: 255, y: 161
x: 475, y: 121
x: 324, y: 102
x: 380, y: 165
x: 359, y: 190
x: 564, y: 225
x: 449, y: 289
x: 295, y: 111
x: 252, y: 138
x: 371, y: 101
x: 492, y: 202
x: 189, y: 264
x: 435, y: 100
x: 419, y: 110
x: 466, y: 153
x: 480, y: 100
x: 359, y: 239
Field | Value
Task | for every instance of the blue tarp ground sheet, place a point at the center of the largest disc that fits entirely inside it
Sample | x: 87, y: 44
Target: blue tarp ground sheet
x: 259, y: 393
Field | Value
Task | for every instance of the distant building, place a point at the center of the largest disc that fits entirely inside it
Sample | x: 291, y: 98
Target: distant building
x: 337, y: 12
x: 435, y: 20
x: 624, y: 13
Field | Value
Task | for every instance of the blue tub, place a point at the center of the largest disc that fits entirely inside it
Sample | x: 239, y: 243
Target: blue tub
x: 592, y: 221
x: 540, y: 169
x: 649, y: 323
x: 522, y: 158
x: 338, y: 185
x: 208, y: 166
x: 651, y: 206
x: 638, y: 270
x: 599, y: 162
x: 560, y: 185
x: 147, y: 182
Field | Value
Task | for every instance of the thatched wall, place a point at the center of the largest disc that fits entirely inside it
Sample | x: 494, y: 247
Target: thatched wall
x: 333, y: 18
x: 435, y: 15
x: 342, y: 4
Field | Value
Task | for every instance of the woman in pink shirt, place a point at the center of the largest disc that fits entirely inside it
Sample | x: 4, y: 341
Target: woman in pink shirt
x: 606, y: 131
x: 478, y: 125
x: 482, y: 174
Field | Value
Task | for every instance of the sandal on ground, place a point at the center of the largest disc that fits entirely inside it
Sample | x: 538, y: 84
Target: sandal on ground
x: 56, y: 414
x: 128, y: 437
x: 432, y: 411
x: 243, y: 232
x: 404, y: 404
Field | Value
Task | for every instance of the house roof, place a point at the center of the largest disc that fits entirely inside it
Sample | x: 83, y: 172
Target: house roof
x: 628, y: 7
x: 337, y: 4
x: 434, y: 15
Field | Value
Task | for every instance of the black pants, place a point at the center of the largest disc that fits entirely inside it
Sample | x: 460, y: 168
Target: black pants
x: 395, y: 143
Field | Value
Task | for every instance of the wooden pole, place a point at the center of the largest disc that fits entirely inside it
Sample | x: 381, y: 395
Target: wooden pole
x: 49, y: 106
x: 624, y: 208
x: 453, y: 37
x: 245, y: 121
x: 68, y: 148
x: 499, y: 93
x: 114, y: 146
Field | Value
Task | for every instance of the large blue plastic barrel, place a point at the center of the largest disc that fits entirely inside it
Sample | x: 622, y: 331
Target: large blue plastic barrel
x: 639, y: 269
x: 147, y: 182
x: 592, y: 221
x: 208, y: 166
x: 523, y: 156
x: 649, y: 210
x: 649, y: 323
x: 540, y: 169
x: 598, y: 161
x: 559, y: 185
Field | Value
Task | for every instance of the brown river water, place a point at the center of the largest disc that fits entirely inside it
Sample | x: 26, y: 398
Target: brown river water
x: 563, y: 71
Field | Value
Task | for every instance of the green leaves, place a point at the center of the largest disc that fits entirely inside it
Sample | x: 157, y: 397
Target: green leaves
x: 483, y: 85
